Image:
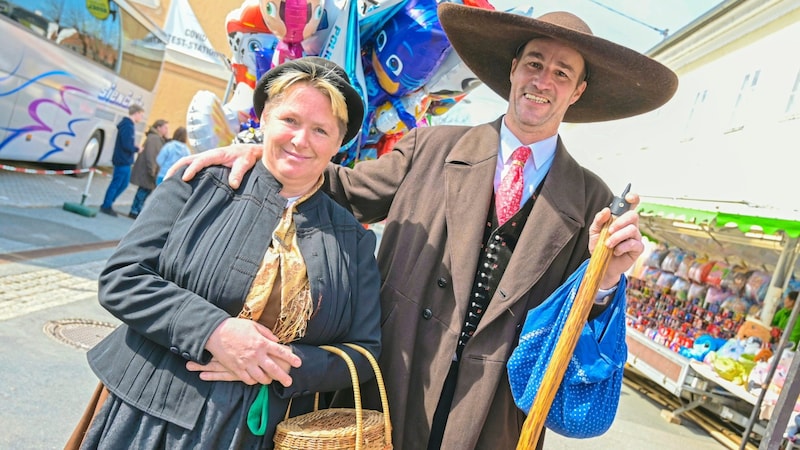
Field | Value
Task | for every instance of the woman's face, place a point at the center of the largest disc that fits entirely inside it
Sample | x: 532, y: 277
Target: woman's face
x: 301, y: 135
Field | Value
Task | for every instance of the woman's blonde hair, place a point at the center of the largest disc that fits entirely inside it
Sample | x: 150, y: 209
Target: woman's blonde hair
x: 319, y: 79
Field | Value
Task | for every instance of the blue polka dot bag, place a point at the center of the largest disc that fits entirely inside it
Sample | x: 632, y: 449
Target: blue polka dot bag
x: 586, y: 402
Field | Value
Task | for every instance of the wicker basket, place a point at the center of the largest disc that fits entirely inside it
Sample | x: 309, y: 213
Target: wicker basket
x: 340, y: 428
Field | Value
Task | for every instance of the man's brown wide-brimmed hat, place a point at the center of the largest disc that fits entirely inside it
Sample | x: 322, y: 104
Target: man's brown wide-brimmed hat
x: 621, y: 82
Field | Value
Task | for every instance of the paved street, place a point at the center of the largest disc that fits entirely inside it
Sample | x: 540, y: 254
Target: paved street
x: 44, y: 379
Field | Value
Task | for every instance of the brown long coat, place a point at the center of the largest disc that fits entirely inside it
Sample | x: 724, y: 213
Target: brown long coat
x: 434, y: 190
x: 145, y: 168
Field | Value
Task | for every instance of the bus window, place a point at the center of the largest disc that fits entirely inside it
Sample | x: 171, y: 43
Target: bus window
x: 30, y: 19
x: 88, y: 35
x: 73, y: 71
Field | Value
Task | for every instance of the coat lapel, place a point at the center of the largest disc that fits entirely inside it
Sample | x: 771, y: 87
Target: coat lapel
x: 469, y: 173
x: 556, y: 216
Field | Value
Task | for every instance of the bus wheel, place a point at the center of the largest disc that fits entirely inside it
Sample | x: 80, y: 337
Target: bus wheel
x: 91, y: 153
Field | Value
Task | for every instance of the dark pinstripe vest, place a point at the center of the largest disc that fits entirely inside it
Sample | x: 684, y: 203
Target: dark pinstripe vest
x: 498, y: 245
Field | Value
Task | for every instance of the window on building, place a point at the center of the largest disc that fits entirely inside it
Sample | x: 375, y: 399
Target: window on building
x: 743, y: 107
x: 793, y: 104
x: 695, y: 119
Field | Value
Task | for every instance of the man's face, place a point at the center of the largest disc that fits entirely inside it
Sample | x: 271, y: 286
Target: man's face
x: 788, y: 302
x: 546, y: 78
x: 163, y: 130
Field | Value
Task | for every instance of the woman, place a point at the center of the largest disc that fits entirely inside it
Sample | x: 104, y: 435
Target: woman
x: 145, y: 168
x: 221, y: 291
x: 172, y: 151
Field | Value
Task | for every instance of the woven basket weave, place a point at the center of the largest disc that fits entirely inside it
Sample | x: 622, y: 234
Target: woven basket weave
x: 340, y: 428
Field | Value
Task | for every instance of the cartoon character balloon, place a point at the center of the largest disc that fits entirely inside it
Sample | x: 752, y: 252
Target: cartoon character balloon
x: 291, y: 21
x: 406, y: 69
x: 409, y: 48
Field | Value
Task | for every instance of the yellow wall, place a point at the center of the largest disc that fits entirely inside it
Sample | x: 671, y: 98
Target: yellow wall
x: 178, y: 84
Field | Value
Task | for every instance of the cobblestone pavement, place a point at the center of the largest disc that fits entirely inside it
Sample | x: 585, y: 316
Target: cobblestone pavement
x: 30, y: 291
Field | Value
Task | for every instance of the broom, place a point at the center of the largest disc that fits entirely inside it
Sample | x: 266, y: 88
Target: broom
x: 80, y: 208
x: 576, y: 319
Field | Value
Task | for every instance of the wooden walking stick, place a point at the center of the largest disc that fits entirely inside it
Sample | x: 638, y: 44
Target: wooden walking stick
x: 576, y: 319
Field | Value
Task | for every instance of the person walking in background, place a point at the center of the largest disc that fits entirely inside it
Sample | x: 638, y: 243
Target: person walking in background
x: 172, y: 151
x: 145, y: 168
x: 125, y: 150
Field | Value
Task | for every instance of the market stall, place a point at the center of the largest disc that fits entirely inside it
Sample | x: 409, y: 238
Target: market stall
x: 700, y: 304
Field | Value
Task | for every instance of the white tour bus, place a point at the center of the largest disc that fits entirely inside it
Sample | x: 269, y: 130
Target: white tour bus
x: 68, y: 72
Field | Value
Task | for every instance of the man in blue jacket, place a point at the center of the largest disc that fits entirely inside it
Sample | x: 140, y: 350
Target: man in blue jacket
x: 125, y: 150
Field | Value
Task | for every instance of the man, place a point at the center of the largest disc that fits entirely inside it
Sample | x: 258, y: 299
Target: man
x: 458, y: 277
x: 781, y: 318
x: 124, y: 151
x: 145, y: 168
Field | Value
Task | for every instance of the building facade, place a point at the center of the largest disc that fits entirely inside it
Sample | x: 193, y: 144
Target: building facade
x: 182, y: 79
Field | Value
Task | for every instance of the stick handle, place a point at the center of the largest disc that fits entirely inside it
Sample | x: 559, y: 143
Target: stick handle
x: 565, y: 346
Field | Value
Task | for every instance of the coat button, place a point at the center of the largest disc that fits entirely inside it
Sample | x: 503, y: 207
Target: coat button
x: 427, y: 314
x: 186, y: 355
x: 174, y: 349
x: 442, y: 282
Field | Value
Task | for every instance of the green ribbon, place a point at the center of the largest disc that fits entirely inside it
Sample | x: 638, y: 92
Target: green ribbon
x: 258, y: 415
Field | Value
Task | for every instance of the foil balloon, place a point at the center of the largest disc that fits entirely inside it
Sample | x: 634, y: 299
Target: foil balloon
x: 451, y: 82
x: 248, y: 38
x: 208, y: 125
x: 399, y: 115
x: 291, y: 21
x: 344, y: 48
x: 409, y: 48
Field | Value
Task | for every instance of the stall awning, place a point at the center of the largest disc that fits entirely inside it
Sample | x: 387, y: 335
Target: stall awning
x: 721, y: 219
x: 738, y: 234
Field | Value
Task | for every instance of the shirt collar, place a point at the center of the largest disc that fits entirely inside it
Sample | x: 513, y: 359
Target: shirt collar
x: 540, y: 151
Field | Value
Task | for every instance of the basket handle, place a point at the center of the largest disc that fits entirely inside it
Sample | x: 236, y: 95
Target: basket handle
x: 387, y: 422
x: 356, y: 390
x: 387, y: 428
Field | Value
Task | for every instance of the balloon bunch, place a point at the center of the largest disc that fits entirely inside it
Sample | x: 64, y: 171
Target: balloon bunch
x: 394, y: 51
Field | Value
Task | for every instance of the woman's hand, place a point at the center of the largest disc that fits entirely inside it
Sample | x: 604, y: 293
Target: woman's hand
x: 246, y: 351
x: 624, y: 239
x: 239, y: 157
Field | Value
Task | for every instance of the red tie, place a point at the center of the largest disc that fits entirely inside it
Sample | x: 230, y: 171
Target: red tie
x: 509, y: 194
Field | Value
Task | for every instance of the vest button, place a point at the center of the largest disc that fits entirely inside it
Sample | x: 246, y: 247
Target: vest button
x: 442, y: 282
x: 427, y: 314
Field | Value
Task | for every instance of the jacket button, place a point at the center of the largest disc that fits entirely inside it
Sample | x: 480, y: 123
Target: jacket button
x: 442, y: 282
x: 186, y: 355
x: 174, y: 349
x: 427, y: 314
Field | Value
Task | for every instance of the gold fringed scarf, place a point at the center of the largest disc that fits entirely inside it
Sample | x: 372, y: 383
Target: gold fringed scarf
x: 283, y: 262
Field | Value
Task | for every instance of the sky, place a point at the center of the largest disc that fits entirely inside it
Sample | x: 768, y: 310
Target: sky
x: 634, y: 25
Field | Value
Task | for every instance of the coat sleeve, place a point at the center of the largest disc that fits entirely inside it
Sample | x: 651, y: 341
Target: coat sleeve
x: 323, y: 371
x: 132, y: 288
x: 368, y: 189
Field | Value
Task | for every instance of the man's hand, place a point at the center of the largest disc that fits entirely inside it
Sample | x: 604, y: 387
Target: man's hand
x: 246, y: 351
x: 623, y: 237
x: 239, y: 157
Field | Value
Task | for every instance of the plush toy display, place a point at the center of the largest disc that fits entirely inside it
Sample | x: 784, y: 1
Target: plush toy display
x: 702, y: 345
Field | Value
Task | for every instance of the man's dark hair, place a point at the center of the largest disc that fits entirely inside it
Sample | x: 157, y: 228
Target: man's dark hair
x: 792, y: 295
